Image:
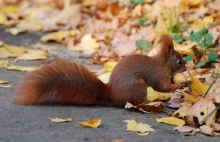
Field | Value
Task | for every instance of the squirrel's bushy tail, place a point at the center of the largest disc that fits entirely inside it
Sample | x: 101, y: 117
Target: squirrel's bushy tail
x: 62, y: 82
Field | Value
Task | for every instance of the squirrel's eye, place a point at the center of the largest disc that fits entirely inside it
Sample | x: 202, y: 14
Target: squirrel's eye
x: 179, y: 62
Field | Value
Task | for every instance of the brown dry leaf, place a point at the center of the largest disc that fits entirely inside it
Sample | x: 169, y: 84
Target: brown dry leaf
x: 176, y: 100
x: 58, y: 36
x: 181, y: 112
x: 105, y: 77
x: 171, y: 121
x: 153, y: 95
x: 153, y: 107
x: 199, y: 111
x: 121, y: 140
x: 58, y: 120
x: 20, y: 68
x: 216, y: 126
x: 206, y: 129
x: 140, y: 128
x: 92, y: 123
x: 198, y: 88
x: 3, y: 63
x: 33, y: 55
x: 186, y: 129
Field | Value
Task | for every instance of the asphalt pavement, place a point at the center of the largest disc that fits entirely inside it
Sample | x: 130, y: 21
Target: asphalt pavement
x: 30, y: 123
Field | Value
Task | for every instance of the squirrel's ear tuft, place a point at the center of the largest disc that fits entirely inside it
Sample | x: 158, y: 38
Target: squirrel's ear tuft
x: 170, y: 49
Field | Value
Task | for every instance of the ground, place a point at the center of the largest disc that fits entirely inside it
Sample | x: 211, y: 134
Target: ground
x: 30, y: 124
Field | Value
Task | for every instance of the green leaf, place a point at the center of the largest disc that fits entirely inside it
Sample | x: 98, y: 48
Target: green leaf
x: 189, y: 57
x: 198, y: 35
x: 177, y: 38
x: 208, y: 39
x: 202, y: 44
x: 144, y: 44
x: 142, y: 21
x: 201, y: 63
x: 213, y: 56
x: 138, y: 1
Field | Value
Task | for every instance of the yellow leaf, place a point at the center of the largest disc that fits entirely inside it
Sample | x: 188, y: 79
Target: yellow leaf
x: 58, y: 120
x: 195, y: 3
x: 171, y: 121
x: 198, y: 88
x: 132, y: 125
x: 58, y: 36
x: 33, y: 55
x: 4, y: 84
x: 93, y: 123
x: 5, y: 54
x: 3, y: 81
x: 153, y: 95
x: 207, y: 20
x: 3, y: 63
x: 89, y: 2
x: 20, y: 68
x: 10, y: 9
x: 16, y: 50
x: 109, y: 66
x: 3, y: 18
x: 142, y: 134
x: 189, y: 97
x: 105, y: 77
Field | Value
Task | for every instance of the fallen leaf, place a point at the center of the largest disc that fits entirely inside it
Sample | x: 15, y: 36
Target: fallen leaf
x: 16, y: 50
x: 88, y: 44
x: 153, y: 107
x: 216, y: 126
x: 105, y: 77
x: 58, y: 36
x: 199, y: 111
x: 58, y: 120
x: 109, y: 66
x: 186, y: 129
x: 93, y: 123
x: 3, y: 63
x: 89, y: 2
x: 20, y: 68
x: 4, y: 84
x: 122, y: 140
x: 181, y: 112
x: 153, y: 95
x: 198, y: 88
x: 206, y: 129
x: 189, y: 97
x: 3, y: 81
x: 171, y: 121
x: 140, y: 128
x: 177, y: 100
x: 33, y: 55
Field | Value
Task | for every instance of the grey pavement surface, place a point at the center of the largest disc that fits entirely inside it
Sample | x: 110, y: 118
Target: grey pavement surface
x: 30, y: 124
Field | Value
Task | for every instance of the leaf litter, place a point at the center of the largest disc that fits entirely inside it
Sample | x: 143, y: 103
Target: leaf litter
x: 109, y: 30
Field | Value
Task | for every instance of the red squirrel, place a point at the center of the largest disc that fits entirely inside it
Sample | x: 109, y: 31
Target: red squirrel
x: 66, y: 82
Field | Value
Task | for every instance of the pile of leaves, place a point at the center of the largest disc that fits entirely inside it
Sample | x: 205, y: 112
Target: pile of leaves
x: 111, y: 29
